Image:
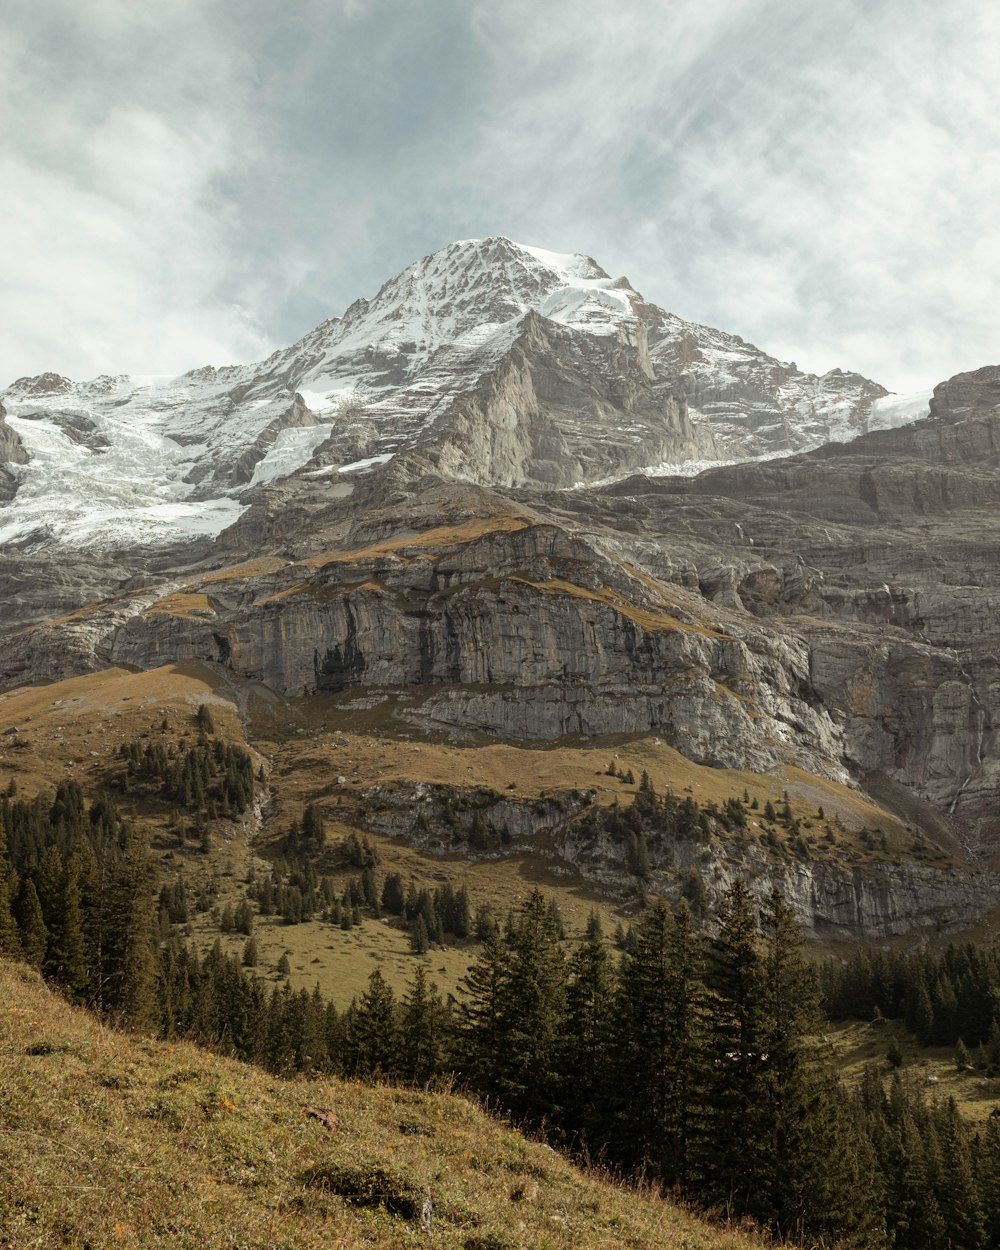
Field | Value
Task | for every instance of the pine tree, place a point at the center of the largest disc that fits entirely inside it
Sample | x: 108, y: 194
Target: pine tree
x: 656, y: 1050
x: 372, y: 1040
x: 423, y: 1031
x: 728, y: 1153
x: 484, y: 988
x: 10, y: 941
x: 531, y: 1014
x: 66, y: 957
x: 31, y: 925
x: 988, y: 1178
x: 584, y: 1084
x: 812, y: 1177
x: 313, y: 830
x: 419, y: 942
x: 132, y: 970
x: 957, y: 1191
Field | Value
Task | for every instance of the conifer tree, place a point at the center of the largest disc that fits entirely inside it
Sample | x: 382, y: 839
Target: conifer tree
x: 66, y: 956
x: 130, y: 962
x: 728, y: 1151
x: 484, y: 987
x: 371, y: 1041
x: 10, y: 941
x: 657, y: 1047
x: 531, y: 1014
x: 584, y: 1077
x: 30, y: 923
x: 812, y: 1177
x: 423, y: 1030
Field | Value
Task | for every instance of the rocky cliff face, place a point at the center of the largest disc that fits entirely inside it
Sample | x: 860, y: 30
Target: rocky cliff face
x: 522, y: 631
x: 834, y: 898
x: 879, y: 555
x: 11, y: 452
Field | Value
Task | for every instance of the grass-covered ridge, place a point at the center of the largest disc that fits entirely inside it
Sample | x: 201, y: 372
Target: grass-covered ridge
x: 109, y: 1140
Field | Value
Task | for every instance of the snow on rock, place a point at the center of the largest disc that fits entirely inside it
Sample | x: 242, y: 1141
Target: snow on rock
x: 292, y: 448
x: 150, y: 459
x: 892, y: 411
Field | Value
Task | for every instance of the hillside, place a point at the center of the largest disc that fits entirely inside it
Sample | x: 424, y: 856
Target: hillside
x: 108, y: 1140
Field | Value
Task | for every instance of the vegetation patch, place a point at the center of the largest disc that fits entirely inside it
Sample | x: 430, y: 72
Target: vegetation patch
x: 184, y: 604
x: 650, y: 618
x: 369, y: 1184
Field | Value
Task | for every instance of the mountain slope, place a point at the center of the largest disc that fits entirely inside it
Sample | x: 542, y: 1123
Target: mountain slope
x: 191, y: 1150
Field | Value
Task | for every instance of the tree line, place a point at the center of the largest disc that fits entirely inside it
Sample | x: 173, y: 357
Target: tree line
x: 692, y: 1056
x: 947, y: 999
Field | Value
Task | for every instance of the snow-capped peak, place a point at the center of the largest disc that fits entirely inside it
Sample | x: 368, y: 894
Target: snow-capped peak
x: 118, y: 459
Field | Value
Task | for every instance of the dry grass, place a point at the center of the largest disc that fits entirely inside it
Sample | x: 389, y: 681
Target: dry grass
x: 307, y: 761
x: 248, y: 568
x: 109, y: 1141
x: 182, y: 604
x: 439, y: 536
x: 650, y: 618
x: 75, y: 727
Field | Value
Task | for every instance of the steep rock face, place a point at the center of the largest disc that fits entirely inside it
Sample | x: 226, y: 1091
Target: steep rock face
x: 833, y: 899
x: 11, y: 452
x: 881, y: 556
x: 562, y: 408
x: 756, y: 405
x: 524, y: 631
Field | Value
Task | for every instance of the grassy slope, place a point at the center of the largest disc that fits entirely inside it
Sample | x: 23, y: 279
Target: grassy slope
x: 857, y: 1044
x: 115, y: 1141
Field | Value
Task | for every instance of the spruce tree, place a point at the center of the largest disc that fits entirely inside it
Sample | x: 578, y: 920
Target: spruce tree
x: 657, y: 1046
x: 531, y: 1014
x: 372, y: 1041
x: 31, y: 925
x: 130, y: 964
x: 423, y: 1031
x: 480, y: 1031
x: 10, y: 941
x: 584, y: 1078
x: 728, y: 1151
x: 812, y: 1177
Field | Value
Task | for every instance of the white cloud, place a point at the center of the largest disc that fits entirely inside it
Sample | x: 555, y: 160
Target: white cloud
x: 185, y: 182
x: 819, y: 179
x: 115, y: 233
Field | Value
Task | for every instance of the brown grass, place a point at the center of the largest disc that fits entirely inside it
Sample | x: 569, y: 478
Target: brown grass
x: 439, y: 536
x: 857, y: 1044
x: 650, y: 618
x: 182, y: 604
x: 248, y: 568
x: 75, y: 726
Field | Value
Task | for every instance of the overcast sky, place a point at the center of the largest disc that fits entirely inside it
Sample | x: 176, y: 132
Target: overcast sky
x: 186, y: 182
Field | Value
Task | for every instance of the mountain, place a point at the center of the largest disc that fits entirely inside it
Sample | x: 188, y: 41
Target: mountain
x: 487, y: 361
x: 469, y: 513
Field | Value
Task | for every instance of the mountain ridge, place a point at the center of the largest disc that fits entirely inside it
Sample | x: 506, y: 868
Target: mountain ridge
x: 118, y: 461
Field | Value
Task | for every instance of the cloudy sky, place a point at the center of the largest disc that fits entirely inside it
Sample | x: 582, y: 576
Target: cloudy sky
x: 193, y: 181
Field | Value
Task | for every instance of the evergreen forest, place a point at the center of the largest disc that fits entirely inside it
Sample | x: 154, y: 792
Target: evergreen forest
x: 684, y: 1053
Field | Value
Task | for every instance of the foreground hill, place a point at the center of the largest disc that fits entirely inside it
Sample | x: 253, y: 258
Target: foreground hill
x: 108, y: 1140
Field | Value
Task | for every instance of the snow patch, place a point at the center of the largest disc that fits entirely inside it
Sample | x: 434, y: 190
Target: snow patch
x: 893, y: 411
x: 290, y: 451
